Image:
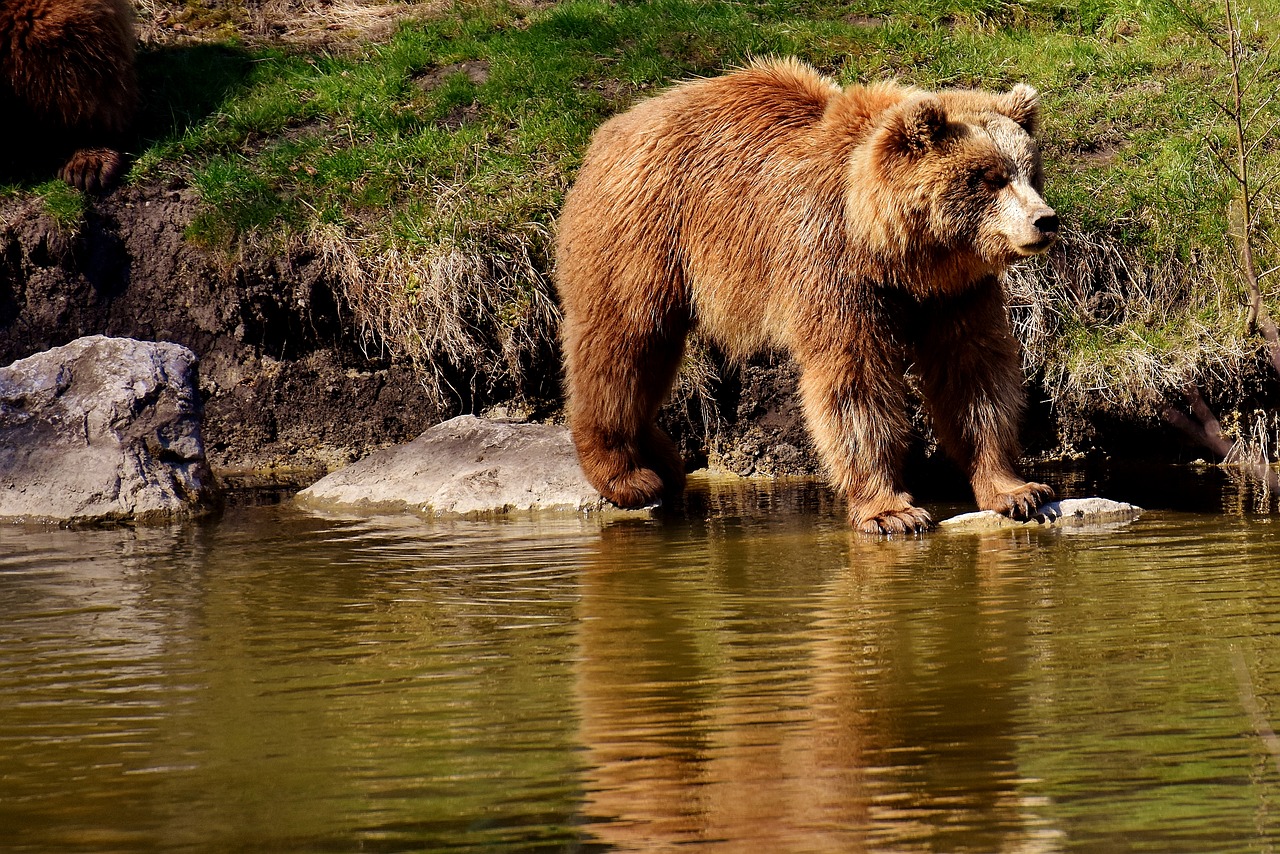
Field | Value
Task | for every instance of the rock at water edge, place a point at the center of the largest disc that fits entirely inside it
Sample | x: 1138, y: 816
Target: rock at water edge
x: 1067, y: 513
x: 467, y: 466
x: 103, y: 430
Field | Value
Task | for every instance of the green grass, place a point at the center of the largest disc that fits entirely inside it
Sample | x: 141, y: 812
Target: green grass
x: 301, y: 138
x: 355, y: 151
x: 309, y: 137
x: 63, y: 204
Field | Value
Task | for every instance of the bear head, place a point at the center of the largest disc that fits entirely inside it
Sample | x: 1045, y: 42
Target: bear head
x: 958, y: 172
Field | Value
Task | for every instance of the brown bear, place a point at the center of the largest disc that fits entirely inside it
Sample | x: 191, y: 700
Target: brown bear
x: 864, y: 230
x: 67, y: 84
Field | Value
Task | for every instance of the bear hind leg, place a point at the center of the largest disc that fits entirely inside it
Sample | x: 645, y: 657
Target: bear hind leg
x: 612, y: 407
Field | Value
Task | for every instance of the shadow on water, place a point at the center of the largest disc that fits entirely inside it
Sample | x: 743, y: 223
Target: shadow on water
x: 938, y: 486
x: 1191, y: 488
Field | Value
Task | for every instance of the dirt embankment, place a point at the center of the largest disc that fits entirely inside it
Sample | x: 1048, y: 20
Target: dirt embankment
x: 292, y: 379
x: 293, y: 386
x: 285, y: 382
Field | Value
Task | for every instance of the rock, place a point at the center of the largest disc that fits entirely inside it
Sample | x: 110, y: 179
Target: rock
x: 1067, y: 513
x: 467, y: 466
x: 102, y: 430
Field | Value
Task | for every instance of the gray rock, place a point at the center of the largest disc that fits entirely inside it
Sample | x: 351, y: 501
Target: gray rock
x: 1067, y: 513
x: 102, y: 430
x: 466, y: 466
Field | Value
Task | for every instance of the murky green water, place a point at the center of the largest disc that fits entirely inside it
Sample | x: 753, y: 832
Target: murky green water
x: 749, y: 678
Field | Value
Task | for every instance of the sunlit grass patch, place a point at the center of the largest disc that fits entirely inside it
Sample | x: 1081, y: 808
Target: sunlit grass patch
x: 64, y: 204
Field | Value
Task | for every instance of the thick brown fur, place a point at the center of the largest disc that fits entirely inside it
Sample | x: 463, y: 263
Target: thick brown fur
x: 862, y: 229
x: 67, y: 81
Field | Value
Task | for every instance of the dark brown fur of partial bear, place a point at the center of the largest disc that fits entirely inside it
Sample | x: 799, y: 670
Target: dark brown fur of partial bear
x: 864, y: 230
x: 68, y: 85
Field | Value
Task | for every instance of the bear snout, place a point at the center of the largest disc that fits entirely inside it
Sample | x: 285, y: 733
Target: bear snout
x: 1047, y: 224
x: 1040, y: 232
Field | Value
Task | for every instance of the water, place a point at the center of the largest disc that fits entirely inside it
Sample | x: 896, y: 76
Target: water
x: 750, y: 677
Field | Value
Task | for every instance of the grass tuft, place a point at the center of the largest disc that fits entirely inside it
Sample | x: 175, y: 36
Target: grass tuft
x: 64, y: 204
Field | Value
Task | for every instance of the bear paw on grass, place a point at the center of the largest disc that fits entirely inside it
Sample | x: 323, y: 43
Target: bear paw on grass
x: 862, y: 229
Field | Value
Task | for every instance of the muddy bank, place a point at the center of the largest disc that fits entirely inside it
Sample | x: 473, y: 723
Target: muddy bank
x: 288, y: 380
x: 285, y: 383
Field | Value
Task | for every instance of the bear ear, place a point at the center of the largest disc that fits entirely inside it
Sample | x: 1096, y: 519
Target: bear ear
x: 917, y: 125
x: 1022, y: 104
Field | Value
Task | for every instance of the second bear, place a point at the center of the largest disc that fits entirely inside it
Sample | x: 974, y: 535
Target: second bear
x: 861, y: 229
x: 67, y: 85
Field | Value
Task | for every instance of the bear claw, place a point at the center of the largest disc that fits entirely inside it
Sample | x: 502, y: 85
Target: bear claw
x: 1022, y: 503
x: 912, y: 520
x: 636, y: 489
x: 93, y: 170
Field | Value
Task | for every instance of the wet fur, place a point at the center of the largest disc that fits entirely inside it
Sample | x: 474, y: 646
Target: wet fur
x: 771, y: 208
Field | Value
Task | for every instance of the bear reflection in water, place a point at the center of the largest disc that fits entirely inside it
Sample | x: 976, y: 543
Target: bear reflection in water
x: 861, y: 229
x: 854, y: 702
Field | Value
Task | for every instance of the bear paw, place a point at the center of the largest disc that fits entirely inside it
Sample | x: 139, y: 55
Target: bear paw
x: 634, y: 489
x: 910, y: 520
x: 1021, y: 503
x: 93, y: 169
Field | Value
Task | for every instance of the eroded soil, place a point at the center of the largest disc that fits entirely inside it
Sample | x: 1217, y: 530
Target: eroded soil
x: 285, y: 383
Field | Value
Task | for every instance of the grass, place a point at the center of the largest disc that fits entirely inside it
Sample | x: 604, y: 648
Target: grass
x: 63, y: 204
x: 427, y: 164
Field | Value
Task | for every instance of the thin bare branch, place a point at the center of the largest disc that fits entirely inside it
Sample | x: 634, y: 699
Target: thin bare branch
x: 1223, y: 106
x: 1230, y: 167
x: 1203, y: 26
x: 1261, y: 185
x: 1260, y: 65
x: 1200, y: 424
x: 1252, y: 116
x: 1262, y: 138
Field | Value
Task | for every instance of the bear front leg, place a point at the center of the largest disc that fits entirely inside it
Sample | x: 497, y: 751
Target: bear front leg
x: 855, y: 407
x: 970, y: 368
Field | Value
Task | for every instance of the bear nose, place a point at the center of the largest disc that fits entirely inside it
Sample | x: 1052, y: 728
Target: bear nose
x: 1047, y: 223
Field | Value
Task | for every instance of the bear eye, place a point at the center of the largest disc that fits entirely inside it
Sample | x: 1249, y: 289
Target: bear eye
x: 994, y: 178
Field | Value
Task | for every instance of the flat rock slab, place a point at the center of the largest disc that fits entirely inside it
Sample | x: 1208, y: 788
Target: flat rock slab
x: 468, y: 467
x: 102, y: 430
x: 1067, y: 513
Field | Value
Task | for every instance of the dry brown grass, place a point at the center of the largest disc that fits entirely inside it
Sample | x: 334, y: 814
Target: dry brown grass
x: 1107, y: 331
x: 303, y: 23
x: 462, y: 310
